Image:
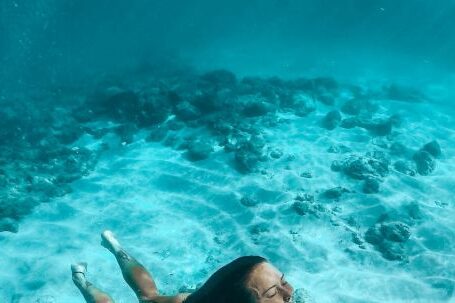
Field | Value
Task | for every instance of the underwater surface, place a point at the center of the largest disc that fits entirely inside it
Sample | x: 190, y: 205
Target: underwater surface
x: 318, y: 134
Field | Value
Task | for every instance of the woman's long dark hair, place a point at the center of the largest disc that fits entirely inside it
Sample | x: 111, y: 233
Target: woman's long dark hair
x: 228, y: 284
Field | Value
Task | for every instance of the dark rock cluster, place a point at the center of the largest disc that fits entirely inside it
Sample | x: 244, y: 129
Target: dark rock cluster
x: 388, y: 238
x: 306, y: 204
x: 391, y: 234
x: 233, y: 111
x: 374, y: 166
x: 425, y: 158
x: 361, y: 112
x: 370, y: 168
x: 331, y: 120
x: 425, y: 163
x: 335, y: 192
x: 199, y: 150
x: 422, y: 161
x: 37, y: 161
x: 359, y: 106
x: 376, y: 126
x: 122, y: 105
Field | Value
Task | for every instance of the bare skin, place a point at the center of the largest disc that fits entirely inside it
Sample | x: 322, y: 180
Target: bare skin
x: 269, y: 285
x: 135, y: 275
x: 90, y: 292
x: 265, y: 281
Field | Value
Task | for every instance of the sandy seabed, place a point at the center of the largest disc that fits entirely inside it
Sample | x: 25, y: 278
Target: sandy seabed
x: 183, y: 217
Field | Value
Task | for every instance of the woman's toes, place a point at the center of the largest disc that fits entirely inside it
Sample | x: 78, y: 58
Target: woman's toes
x: 80, y: 267
x: 78, y: 271
x: 109, y: 241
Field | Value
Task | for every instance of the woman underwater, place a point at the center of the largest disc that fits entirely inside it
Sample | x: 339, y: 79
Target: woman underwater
x: 248, y: 279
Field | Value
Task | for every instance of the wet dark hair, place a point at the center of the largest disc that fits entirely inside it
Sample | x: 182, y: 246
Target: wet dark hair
x: 228, y: 284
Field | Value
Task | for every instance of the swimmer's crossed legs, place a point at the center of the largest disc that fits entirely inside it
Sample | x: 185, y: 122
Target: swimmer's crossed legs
x: 137, y: 277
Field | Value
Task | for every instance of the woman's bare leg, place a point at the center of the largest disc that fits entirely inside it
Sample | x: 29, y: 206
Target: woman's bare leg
x: 137, y: 277
x: 90, y: 292
x: 133, y: 272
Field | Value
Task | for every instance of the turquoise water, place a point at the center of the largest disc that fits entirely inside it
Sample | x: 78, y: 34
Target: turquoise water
x: 317, y: 134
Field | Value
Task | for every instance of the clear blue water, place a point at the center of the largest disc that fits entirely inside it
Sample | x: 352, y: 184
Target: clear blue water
x: 318, y: 134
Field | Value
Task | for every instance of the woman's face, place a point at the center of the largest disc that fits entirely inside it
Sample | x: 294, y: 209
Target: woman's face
x: 269, y: 284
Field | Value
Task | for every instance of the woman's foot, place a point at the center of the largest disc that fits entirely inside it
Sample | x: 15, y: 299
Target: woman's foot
x: 109, y: 241
x: 78, y: 271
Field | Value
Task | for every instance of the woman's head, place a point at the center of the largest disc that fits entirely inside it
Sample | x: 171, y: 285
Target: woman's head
x: 268, y: 284
x: 249, y: 279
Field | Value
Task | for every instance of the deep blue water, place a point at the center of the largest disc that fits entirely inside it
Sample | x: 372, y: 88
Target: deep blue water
x: 319, y: 134
x: 67, y: 40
